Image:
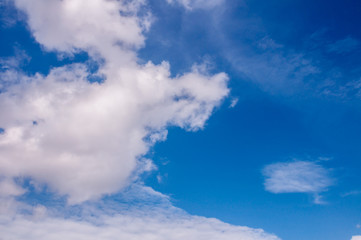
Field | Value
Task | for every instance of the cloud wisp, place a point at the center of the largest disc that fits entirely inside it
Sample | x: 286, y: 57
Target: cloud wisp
x: 345, y: 45
x: 259, y: 56
x: 297, y: 177
x: 197, y: 4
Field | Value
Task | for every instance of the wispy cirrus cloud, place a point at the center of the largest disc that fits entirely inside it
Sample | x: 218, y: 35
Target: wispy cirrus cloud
x: 351, y: 193
x: 345, y: 45
x: 312, y: 67
x: 197, y: 4
x: 297, y: 177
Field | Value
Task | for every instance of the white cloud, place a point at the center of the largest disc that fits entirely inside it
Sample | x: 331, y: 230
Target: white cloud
x: 87, y: 137
x: 356, y: 238
x: 84, y: 140
x: 297, y: 176
x: 95, y: 26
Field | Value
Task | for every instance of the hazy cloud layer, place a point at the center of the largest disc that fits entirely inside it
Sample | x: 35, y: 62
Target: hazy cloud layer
x: 113, y: 221
x: 129, y: 227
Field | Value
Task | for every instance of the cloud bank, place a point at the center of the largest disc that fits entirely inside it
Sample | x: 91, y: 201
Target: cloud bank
x: 111, y: 220
x: 129, y: 227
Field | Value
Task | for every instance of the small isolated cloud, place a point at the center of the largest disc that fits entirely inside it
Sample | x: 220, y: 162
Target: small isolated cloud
x: 297, y: 177
x: 356, y: 238
x: 344, y: 45
x: 233, y: 102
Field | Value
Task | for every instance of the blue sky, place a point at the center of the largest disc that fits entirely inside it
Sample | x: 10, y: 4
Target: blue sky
x: 180, y: 119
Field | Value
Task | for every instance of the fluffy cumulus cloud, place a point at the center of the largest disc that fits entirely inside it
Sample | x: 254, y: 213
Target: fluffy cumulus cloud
x: 95, y: 26
x: 356, y: 238
x: 85, y: 139
x: 296, y: 177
